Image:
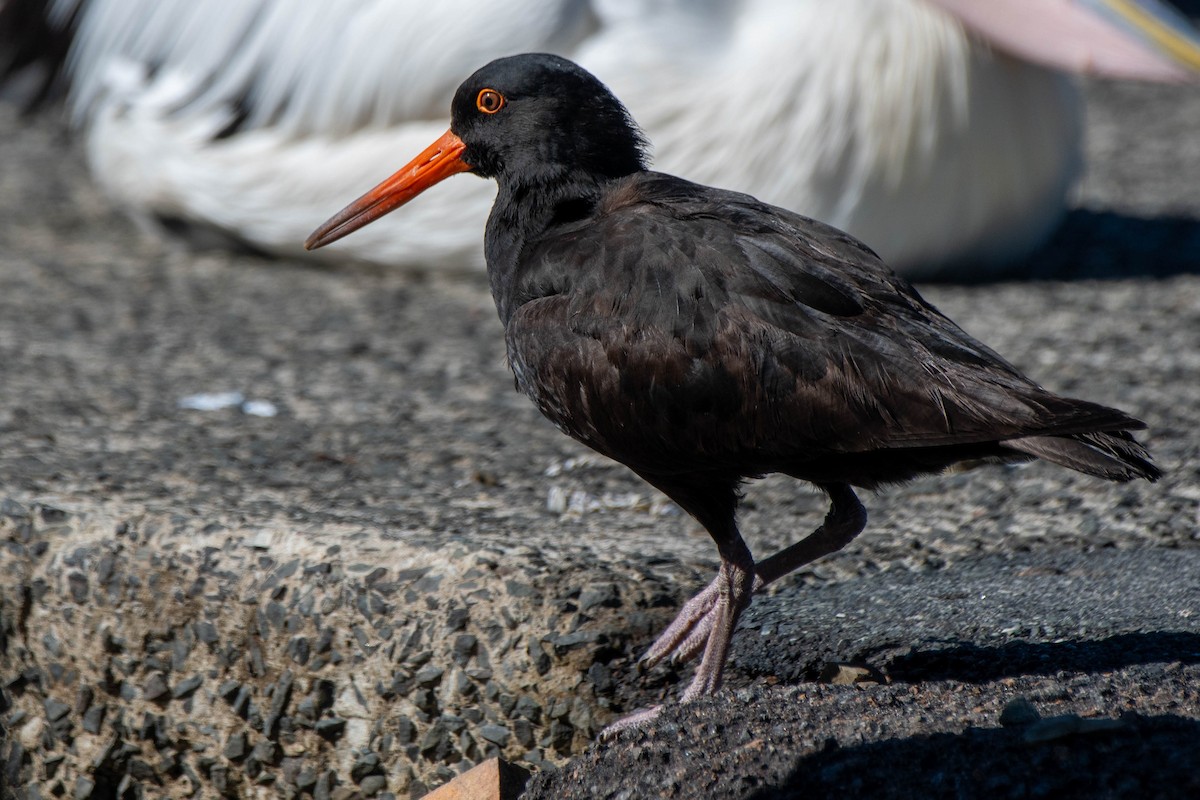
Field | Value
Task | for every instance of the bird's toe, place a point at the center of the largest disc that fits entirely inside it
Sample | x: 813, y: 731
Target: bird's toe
x: 634, y: 720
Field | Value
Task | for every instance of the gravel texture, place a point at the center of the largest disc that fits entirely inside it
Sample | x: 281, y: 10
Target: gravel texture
x: 405, y: 570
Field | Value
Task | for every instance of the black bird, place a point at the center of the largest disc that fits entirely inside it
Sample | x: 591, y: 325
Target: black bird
x: 703, y: 338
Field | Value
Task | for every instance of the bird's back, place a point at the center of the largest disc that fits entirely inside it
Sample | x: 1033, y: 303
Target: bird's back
x: 677, y: 327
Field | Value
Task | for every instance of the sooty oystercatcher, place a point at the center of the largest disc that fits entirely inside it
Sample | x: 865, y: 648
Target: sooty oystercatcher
x: 702, y: 337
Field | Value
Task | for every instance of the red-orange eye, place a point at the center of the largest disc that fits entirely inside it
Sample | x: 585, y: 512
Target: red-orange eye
x: 489, y: 101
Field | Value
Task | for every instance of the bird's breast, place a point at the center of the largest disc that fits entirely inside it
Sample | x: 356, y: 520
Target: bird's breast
x: 645, y: 389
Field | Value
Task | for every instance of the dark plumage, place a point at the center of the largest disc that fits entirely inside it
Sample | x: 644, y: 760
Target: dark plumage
x: 702, y: 337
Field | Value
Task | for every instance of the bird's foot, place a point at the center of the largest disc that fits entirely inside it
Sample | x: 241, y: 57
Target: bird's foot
x: 686, y: 636
x: 687, y: 633
x: 634, y: 720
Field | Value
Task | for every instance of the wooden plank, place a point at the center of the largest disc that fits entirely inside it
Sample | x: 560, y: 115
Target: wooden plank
x: 492, y: 780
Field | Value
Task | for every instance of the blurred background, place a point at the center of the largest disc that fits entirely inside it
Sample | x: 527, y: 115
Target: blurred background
x: 947, y: 134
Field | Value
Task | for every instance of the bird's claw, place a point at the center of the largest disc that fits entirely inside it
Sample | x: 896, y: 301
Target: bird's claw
x: 692, y: 622
x: 634, y: 720
x: 684, y: 639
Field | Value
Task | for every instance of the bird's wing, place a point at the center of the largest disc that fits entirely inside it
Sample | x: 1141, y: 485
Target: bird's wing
x: 687, y: 320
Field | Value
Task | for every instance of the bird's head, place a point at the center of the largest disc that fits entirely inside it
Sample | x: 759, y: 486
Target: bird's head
x: 525, y: 120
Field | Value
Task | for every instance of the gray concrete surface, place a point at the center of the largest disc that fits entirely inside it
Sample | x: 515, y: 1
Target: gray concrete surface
x: 406, y: 570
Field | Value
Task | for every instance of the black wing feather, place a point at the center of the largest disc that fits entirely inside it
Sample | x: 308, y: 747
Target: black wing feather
x: 703, y: 328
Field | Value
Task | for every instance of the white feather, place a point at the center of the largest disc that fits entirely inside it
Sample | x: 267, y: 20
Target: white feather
x: 882, y: 117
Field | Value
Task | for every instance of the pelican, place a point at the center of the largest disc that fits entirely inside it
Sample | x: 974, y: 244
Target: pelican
x: 944, y: 133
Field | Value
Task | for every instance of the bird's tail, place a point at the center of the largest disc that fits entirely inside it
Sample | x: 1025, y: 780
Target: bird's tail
x: 1114, y: 455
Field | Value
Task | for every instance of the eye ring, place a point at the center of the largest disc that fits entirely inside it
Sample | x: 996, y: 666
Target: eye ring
x: 489, y: 101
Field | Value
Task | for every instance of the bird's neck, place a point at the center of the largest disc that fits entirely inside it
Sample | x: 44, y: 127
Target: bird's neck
x: 524, y: 213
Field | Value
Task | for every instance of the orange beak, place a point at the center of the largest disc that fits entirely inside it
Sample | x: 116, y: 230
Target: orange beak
x: 438, y: 161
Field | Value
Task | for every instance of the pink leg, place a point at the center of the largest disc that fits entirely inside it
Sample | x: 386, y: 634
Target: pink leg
x: 707, y: 621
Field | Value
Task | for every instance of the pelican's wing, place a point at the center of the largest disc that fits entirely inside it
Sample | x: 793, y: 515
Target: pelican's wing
x: 331, y: 68
x: 1137, y: 39
x: 252, y: 117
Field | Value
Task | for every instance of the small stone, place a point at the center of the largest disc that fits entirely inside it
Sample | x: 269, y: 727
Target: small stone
x: 241, y: 703
x: 462, y: 684
x: 559, y: 709
x: 323, y: 694
x: 561, y: 734
x: 55, y: 710
x: 51, y: 764
x: 601, y: 677
x: 540, y: 658
x: 106, y: 569
x: 324, y: 785
x: 206, y: 632
x: 846, y: 674
x: 279, y: 700
x: 29, y: 737
x: 435, y: 741
x: 518, y: 589
x: 426, y: 700
x: 77, y: 582
x: 306, y: 709
x: 331, y: 729
x: 106, y: 755
x: 83, y: 788
x: 156, y: 687
x: 581, y: 715
x: 569, y: 641
x: 276, y: 614
x: 528, y: 708
x: 429, y: 676
x: 187, y: 687
x: 456, y: 620
x: 260, y: 541
x: 149, y: 727
x: 373, y: 785
x: 181, y: 648
x: 464, y: 647
x: 1018, y: 712
x: 523, y: 731
x: 229, y: 690
x: 266, y: 752
x: 367, y: 765
x: 405, y: 731
x: 428, y: 584
x: 496, y: 734
x: 94, y: 718
x: 453, y: 723
x: 11, y: 508
x: 83, y: 699
x: 53, y: 515
x: 306, y: 779
x: 219, y: 775
x: 299, y: 649
x: 52, y: 645
x: 600, y: 595
x: 235, y: 747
